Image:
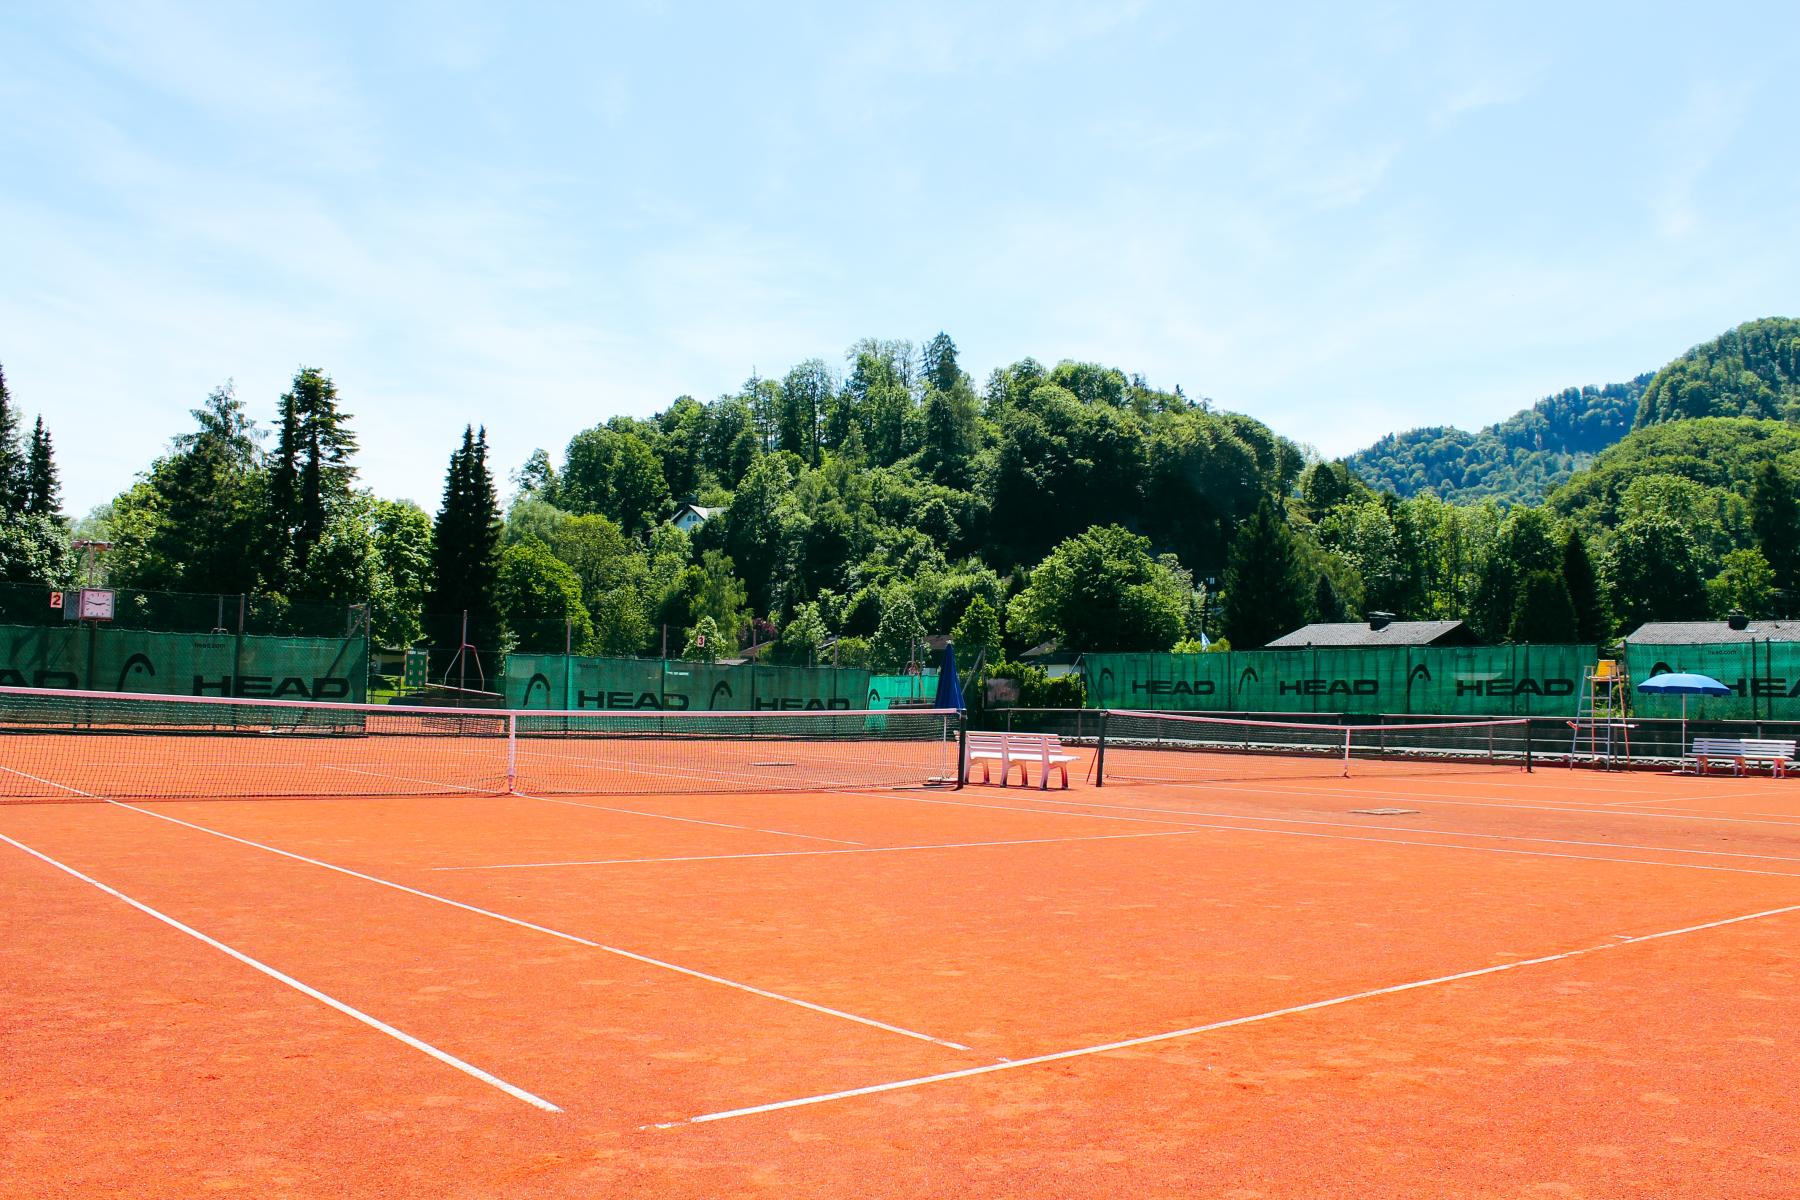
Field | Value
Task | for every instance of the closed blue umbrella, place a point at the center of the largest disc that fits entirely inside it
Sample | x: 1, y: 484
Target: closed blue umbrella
x: 1683, y: 684
x: 949, y: 689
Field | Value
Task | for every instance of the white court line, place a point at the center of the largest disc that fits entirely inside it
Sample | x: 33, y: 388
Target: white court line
x: 374, y: 1023
x: 1172, y: 1035
x: 49, y: 783
x: 1435, y: 798
x: 619, y: 862
x: 1497, y: 837
x: 1387, y: 841
x: 555, y: 933
x: 688, y: 820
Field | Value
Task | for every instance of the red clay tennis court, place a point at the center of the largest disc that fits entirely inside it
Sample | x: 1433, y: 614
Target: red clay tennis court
x: 1445, y: 977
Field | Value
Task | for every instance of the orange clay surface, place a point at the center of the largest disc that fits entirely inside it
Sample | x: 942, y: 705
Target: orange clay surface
x: 1568, y: 983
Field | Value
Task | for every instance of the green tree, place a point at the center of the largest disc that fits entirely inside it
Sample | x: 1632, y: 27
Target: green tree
x: 1101, y: 590
x: 1746, y: 584
x: 616, y: 474
x: 977, y: 634
x: 900, y: 637
x: 465, y: 544
x: 1592, y: 624
x: 540, y: 599
x: 537, y: 477
x: 1327, y: 604
x: 1543, y: 611
x: 938, y: 364
x: 35, y: 549
x: 1525, y: 543
x: 311, y: 471
x: 1775, y: 522
x: 403, y: 546
x: 704, y: 642
x: 806, y: 394
x: 13, y: 484
x: 621, y: 626
x: 1653, y: 568
x: 198, y: 520
x: 720, y: 595
x: 43, y: 489
x: 951, y: 432
x: 1265, y: 592
x: 803, y: 638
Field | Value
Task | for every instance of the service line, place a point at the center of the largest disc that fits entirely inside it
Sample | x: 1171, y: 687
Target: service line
x: 1193, y: 1030
x: 555, y: 933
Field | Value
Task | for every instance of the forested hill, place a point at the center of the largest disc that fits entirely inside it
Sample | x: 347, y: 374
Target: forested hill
x: 1520, y: 460
x: 1750, y: 371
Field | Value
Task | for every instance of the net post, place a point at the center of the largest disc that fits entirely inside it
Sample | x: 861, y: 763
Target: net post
x: 512, y: 752
x: 962, y: 750
x: 1530, y: 726
x: 1100, y: 754
x: 1348, y: 733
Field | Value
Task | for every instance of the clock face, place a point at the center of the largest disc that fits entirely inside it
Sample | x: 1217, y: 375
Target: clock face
x: 96, y: 604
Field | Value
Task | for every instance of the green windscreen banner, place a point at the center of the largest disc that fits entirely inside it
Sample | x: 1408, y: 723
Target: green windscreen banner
x: 572, y: 682
x: 889, y: 691
x: 1521, y: 681
x: 1764, y: 678
x: 102, y: 658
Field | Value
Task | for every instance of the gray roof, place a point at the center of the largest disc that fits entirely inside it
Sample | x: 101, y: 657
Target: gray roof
x: 1676, y: 633
x: 1358, y: 633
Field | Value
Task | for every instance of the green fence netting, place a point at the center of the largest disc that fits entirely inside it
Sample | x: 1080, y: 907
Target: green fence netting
x: 108, y: 659
x: 1519, y: 681
x: 1764, y: 678
x: 565, y: 682
x: 885, y: 691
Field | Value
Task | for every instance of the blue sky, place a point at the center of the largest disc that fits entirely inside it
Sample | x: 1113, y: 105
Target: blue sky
x: 1343, y: 220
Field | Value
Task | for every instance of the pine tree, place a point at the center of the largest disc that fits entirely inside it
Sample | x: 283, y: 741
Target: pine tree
x: 43, y: 490
x: 1327, y: 606
x: 465, y: 548
x: 1543, y: 612
x: 312, y: 470
x: 13, y: 485
x: 1775, y: 522
x: 1592, y: 624
x: 1265, y: 595
x: 940, y: 367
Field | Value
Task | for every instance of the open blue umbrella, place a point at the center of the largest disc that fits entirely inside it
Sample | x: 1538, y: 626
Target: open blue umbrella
x: 1683, y: 684
x: 949, y: 689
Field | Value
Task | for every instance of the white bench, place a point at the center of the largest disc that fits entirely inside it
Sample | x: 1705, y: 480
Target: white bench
x: 1743, y: 752
x: 1017, y: 750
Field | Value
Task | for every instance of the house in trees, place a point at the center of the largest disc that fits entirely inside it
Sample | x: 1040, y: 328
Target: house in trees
x: 1376, y: 631
x: 690, y: 517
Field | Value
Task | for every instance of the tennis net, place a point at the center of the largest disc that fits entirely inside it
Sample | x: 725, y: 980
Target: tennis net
x: 1162, y: 747
x: 67, y: 745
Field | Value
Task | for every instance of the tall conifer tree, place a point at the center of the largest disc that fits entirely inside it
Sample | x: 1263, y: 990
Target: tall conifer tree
x: 1265, y: 595
x: 1592, y: 623
x: 311, y: 470
x: 466, y: 546
x: 12, y: 459
x: 1775, y: 522
x: 43, y: 490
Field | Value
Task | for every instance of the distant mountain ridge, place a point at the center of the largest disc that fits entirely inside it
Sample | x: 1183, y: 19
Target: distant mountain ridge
x: 1520, y: 460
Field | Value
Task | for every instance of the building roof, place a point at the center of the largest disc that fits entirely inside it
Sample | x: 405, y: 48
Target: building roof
x: 705, y: 514
x: 1675, y: 633
x: 1365, y: 633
